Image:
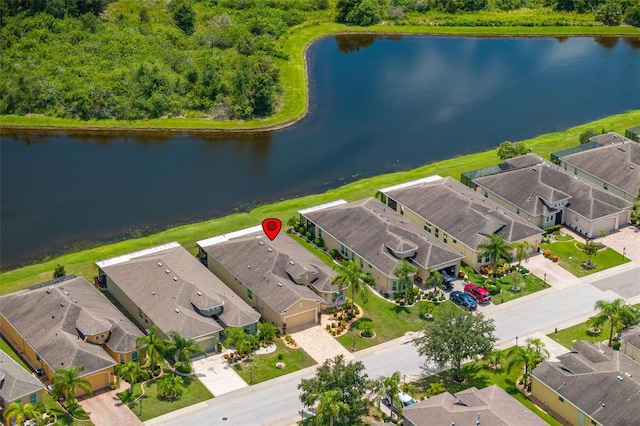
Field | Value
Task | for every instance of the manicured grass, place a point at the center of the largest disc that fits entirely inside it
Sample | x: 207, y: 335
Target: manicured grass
x: 390, y: 321
x: 152, y: 406
x: 126, y: 396
x: 571, y: 257
x: 478, y: 374
x: 82, y: 262
x: 530, y: 284
x: 568, y: 336
x: 264, y: 366
x: 62, y: 417
x: 8, y: 349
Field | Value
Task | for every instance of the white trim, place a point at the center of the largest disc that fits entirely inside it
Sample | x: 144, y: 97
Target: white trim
x: 322, y: 206
x: 226, y: 237
x: 135, y: 254
x: 428, y: 179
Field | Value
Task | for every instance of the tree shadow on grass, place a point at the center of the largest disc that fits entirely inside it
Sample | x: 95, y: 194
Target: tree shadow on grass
x: 397, y: 309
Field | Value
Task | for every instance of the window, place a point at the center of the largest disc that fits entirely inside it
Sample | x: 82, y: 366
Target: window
x: 402, y: 210
x: 319, y: 233
x: 437, y: 232
x: 344, y: 251
x: 336, y: 296
x: 250, y: 294
x: 404, y: 285
x: 549, y: 218
x: 394, y: 285
x: 487, y: 258
x: 454, y: 241
x: 479, y: 258
x: 370, y: 266
x: 486, y: 194
x: 444, y: 238
x: 37, y: 357
x: 134, y: 357
x: 121, y: 359
x: 561, y: 399
x: 140, y: 313
x: 606, y: 186
x: 361, y: 264
x: 575, y: 171
x: 33, y: 398
x: 427, y: 227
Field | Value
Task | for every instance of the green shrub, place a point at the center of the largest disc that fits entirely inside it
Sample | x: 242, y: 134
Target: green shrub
x: 182, y: 367
x: 552, y: 229
x: 333, y: 253
x: 319, y: 242
x: 632, y: 16
x: 616, y: 346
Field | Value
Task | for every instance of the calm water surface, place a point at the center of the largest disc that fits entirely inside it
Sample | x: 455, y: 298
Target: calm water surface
x: 377, y: 105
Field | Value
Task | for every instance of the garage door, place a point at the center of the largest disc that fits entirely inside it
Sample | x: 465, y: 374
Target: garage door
x: 303, y: 318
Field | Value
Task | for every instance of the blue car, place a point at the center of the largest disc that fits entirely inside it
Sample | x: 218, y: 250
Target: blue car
x: 463, y: 299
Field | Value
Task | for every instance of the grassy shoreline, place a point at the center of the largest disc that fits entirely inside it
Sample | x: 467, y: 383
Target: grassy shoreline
x: 82, y: 262
x: 295, y: 78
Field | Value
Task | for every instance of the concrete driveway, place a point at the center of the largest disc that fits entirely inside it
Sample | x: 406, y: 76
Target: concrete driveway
x: 217, y: 375
x: 626, y: 239
x: 106, y: 409
x: 319, y: 344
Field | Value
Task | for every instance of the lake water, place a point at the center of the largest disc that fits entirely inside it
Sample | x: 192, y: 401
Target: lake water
x: 377, y: 105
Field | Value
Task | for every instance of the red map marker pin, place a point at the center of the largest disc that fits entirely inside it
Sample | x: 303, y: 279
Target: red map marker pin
x: 271, y: 227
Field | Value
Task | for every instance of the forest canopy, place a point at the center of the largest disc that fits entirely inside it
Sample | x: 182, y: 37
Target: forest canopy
x: 220, y: 59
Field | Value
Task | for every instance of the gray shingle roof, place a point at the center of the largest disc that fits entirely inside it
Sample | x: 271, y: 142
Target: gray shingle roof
x: 373, y: 231
x: 612, y: 378
x: 51, y: 318
x: 144, y: 278
x: 15, y: 381
x: 462, y: 213
x: 535, y: 189
x: 261, y: 264
x: 490, y: 405
x: 617, y: 164
x: 631, y: 335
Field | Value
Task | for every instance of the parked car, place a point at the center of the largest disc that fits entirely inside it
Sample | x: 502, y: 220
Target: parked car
x: 447, y: 284
x: 479, y: 293
x: 404, y: 398
x: 463, y: 299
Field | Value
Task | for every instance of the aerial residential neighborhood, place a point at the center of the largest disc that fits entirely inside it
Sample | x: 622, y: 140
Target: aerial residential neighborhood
x: 414, y: 238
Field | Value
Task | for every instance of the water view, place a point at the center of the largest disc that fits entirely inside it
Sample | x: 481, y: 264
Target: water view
x: 378, y: 104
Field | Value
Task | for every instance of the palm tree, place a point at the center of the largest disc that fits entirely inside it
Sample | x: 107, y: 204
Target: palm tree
x: 434, y: 279
x: 404, y: 271
x: 531, y: 354
x: 330, y: 407
x: 66, y: 380
x: 616, y: 312
x: 182, y: 349
x: 391, y: 384
x: 591, y: 249
x: 36, y: 412
x: 350, y: 275
x: 170, y: 386
x: 154, y: 347
x: 17, y: 412
x: 131, y: 372
x: 522, y: 251
x: 497, y: 248
x: 377, y: 390
x: 293, y: 223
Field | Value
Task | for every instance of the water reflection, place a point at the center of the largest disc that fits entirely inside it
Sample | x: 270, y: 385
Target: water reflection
x: 348, y: 43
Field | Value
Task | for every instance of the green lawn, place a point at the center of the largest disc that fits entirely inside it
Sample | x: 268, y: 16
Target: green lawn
x: 479, y: 375
x: 568, y: 336
x: 8, y: 349
x: 62, y: 416
x: 152, y: 406
x: 390, y: 321
x: 126, y: 396
x: 530, y: 284
x: 82, y: 262
x: 264, y: 366
x: 571, y: 257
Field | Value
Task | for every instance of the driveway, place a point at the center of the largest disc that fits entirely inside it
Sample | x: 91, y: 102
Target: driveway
x: 106, y: 409
x: 625, y: 240
x: 319, y: 344
x: 217, y: 375
x: 555, y: 275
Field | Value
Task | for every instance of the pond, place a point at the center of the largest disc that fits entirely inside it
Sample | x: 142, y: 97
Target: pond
x: 377, y: 104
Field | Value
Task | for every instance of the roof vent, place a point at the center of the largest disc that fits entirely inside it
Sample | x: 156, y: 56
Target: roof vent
x: 620, y: 378
x: 279, y: 284
x: 153, y: 293
x: 159, y: 263
x: 66, y: 293
x: 74, y: 300
x: 291, y: 262
x: 62, y: 304
x: 269, y: 249
x: 167, y: 271
x: 632, y: 166
x: 261, y: 243
x: 249, y: 267
x: 199, y: 293
x: 175, y: 278
x: 177, y: 310
x: 48, y: 291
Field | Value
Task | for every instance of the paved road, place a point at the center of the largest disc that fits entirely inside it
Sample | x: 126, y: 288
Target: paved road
x: 277, y: 400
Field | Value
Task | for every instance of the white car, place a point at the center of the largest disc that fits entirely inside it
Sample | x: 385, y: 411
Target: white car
x: 404, y: 398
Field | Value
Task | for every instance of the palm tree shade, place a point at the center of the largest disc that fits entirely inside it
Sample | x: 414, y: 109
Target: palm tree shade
x: 131, y: 372
x: 404, y: 271
x: 522, y: 251
x: 66, y: 380
x: 154, y: 346
x: 350, y: 275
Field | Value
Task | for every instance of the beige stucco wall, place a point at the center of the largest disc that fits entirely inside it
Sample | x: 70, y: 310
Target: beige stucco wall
x: 591, y: 228
x: 26, y: 399
x: 535, y: 220
x: 597, y: 181
x: 550, y: 401
x: 630, y: 350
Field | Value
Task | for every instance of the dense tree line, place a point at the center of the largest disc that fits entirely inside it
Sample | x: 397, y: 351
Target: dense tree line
x: 132, y: 59
x: 137, y: 60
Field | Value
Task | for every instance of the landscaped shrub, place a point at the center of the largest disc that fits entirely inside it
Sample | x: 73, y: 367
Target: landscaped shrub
x: 461, y: 274
x: 333, y: 253
x: 547, y: 253
x: 491, y: 287
x: 616, y: 346
x: 319, y: 242
x: 309, y: 235
x: 302, y: 230
x: 386, y: 295
x: 555, y: 258
x: 552, y: 229
x: 182, y: 367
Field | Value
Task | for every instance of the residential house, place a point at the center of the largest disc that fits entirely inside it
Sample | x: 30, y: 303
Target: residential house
x: 167, y: 286
x: 487, y: 406
x: 69, y: 324
x: 593, y: 385
x: 545, y: 194
x: 614, y: 166
x: 459, y: 216
x: 633, y: 133
x: 379, y: 238
x: 17, y: 384
x: 630, y: 342
x: 281, y: 279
